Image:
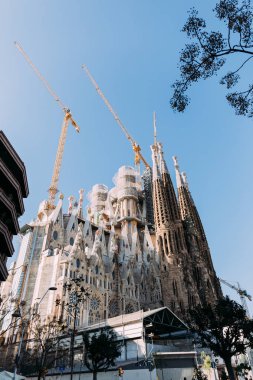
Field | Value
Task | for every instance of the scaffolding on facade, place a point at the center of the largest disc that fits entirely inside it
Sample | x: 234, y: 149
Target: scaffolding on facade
x: 147, y: 188
x: 127, y: 177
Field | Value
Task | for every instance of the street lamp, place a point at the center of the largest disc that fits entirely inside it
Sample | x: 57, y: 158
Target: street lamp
x: 17, y: 314
x: 44, y: 295
x: 77, y: 294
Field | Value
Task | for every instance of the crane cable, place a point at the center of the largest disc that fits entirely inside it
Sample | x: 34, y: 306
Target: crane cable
x: 37, y: 72
x: 135, y: 146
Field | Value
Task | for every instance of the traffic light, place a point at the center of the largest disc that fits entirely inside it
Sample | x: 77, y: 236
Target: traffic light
x: 120, y: 372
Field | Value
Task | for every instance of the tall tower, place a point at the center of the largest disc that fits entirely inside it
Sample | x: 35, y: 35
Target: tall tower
x: 204, y: 275
x: 169, y: 234
x: 172, y: 203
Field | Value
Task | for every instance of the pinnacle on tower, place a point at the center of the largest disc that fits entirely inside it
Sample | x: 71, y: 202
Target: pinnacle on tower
x: 185, y: 180
x: 156, y: 169
x: 162, y: 162
x: 80, y: 204
x: 179, y: 178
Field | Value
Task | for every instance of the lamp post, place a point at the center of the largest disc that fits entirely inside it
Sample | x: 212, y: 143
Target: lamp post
x: 44, y: 295
x: 18, y: 314
x: 77, y: 294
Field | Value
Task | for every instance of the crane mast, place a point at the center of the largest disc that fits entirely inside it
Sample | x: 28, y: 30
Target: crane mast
x: 53, y: 189
x: 135, y: 146
x: 242, y: 293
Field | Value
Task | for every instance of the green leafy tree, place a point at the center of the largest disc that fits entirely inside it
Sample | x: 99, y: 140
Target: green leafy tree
x: 209, y: 51
x: 101, y: 350
x: 224, y: 328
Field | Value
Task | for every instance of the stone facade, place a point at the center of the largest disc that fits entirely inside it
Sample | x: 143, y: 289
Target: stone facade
x: 127, y: 262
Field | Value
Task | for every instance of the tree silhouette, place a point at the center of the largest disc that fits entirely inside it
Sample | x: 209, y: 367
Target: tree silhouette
x: 207, y: 54
x: 225, y: 329
x: 101, y: 350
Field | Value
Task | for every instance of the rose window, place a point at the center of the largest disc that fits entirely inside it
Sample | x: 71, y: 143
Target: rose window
x: 113, y: 307
x: 95, y: 303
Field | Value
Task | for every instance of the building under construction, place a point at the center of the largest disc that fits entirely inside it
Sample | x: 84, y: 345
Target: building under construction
x: 128, y: 262
x: 138, y: 246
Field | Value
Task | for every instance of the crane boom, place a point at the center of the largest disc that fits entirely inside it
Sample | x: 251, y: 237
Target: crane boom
x: 53, y: 189
x: 43, y: 80
x: 135, y: 146
x: 241, y: 292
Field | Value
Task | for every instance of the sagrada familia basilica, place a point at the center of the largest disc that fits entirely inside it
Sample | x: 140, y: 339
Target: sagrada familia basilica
x: 140, y: 246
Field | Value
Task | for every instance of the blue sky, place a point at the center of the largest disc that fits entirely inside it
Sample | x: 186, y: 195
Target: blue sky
x: 132, y: 49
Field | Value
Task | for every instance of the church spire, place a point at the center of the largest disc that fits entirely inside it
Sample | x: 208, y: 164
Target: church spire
x: 169, y: 234
x: 161, y: 211
x: 195, y: 236
x: 187, y: 206
x: 168, y: 186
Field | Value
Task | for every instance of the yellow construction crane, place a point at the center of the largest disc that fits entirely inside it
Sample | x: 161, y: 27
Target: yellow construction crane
x: 53, y: 189
x: 242, y: 293
x: 135, y: 146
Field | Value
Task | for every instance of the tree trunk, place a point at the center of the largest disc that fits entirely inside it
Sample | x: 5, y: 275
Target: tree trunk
x: 230, y: 370
x: 94, y: 375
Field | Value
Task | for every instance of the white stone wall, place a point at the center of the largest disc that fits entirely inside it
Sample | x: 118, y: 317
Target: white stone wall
x: 138, y: 374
